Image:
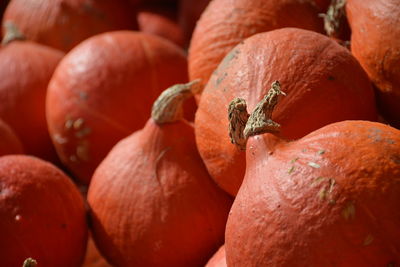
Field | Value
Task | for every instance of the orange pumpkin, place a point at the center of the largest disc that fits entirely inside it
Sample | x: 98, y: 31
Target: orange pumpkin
x: 152, y: 202
x: 375, y: 42
x: 9, y: 142
x: 63, y: 24
x: 25, y: 71
x: 225, y: 23
x: 330, y: 198
x: 323, y: 82
x: 42, y: 214
x: 103, y: 90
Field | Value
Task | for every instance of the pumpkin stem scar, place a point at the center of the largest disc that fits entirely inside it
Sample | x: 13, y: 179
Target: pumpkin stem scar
x: 260, y: 121
x: 333, y: 17
x: 168, y: 106
x: 29, y: 262
x: 11, y: 33
x: 237, y: 116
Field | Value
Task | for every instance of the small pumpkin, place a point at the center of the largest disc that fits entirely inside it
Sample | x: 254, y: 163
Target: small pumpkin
x: 218, y: 260
x: 225, y: 23
x: 42, y: 214
x: 25, y: 71
x: 375, y: 42
x: 9, y: 142
x: 330, y: 198
x: 103, y: 90
x: 152, y: 202
x: 324, y: 83
x: 63, y: 24
x: 160, y: 21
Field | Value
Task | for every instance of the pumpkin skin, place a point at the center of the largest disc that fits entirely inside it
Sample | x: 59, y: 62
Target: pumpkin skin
x: 153, y: 203
x: 103, y: 91
x: 218, y: 260
x: 25, y: 71
x: 63, y: 24
x: 225, y: 23
x: 328, y: 199
x: 376, y: 45
x: 9, y: 142
x: 42, y: 214
x: 160, y: 21
x: 323, y: 82
x: 93, y: 257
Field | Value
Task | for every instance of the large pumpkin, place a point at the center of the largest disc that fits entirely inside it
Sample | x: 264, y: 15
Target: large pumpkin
x: 375, y: 42
x: 324, y: 83
x: 25, y: 71
x: 218, y: 259
x: 225, y: 23
x: 152, y: 202
x: 103, y: 91
x: 63, y: 24
x: 330, y: 198
x: 42, y: 214
x: 9, y: 142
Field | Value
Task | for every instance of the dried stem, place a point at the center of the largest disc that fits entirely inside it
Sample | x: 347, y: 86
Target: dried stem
x: 237, y: 115
x: 168, y: 106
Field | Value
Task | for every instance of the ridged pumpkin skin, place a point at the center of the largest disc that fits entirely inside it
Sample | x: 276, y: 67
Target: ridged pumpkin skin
x: 42, y: 214
x: 329, y: 199
x: 103, y: 91
x: 218, y: 260
x: 63, y: 24
x: 323, y: 82
x: 9, y: 142
x: 153, y: 203
x: 225, y: 23
x: 25, y: 71
x: 375, y: 42
x: 160, y: 21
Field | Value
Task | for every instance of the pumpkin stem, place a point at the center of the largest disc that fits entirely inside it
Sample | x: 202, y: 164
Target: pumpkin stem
x: 238, y: 116
x: 168, y: 106
x: 29, y: 262
x: 11, y: 33
x: 333, y: 17
x: 260, y: 120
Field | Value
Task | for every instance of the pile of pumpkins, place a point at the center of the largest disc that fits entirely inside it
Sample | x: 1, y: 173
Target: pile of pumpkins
x: 200, y: 133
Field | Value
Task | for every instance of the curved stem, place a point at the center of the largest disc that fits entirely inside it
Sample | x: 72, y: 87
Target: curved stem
x: 260, y: 120
x: 11, y: 33
x: 168, y: 106
x: 242, y: 125
x: 238, y: 116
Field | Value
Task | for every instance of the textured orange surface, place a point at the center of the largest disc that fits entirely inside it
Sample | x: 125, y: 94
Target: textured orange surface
x: 323, y: 82
x: 329, y: 199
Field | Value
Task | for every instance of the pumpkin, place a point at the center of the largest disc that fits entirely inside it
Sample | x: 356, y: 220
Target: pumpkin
x: 63, y: 24
x: 375, y: 42
x: 218, y: 260
x: 323, y: 82
x: 160, y: 21
x: 322, y: 4
x: 225, y: 23
x: 25, y: 71
x: 42, y: 214
x: 330, y: 198
x: 103, y: 90
x: 189, y: 13
x: 9, y: 142
x: 152, y: 202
